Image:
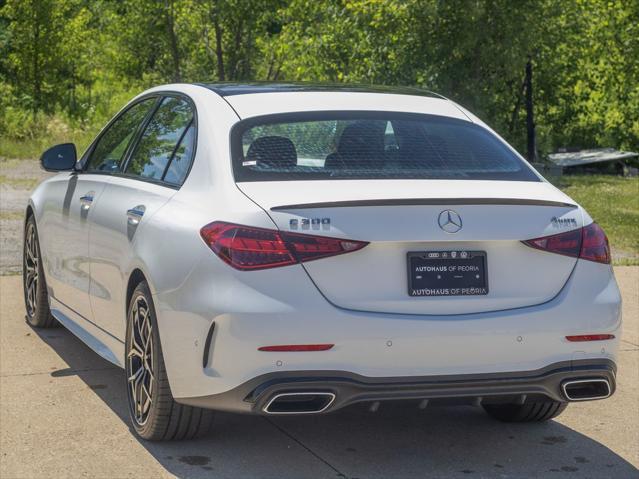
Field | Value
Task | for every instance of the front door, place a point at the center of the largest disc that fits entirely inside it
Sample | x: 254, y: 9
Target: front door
x: 65, y: 226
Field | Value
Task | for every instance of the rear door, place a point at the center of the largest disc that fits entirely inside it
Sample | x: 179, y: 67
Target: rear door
x: 156, y: 166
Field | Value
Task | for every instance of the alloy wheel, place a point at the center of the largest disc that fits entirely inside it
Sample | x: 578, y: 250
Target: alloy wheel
x: 31, y: 268
x: 140, y: 373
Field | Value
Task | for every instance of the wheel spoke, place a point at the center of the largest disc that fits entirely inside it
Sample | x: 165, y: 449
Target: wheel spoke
x: 31, y: 295
x: 135, y: 351
x: 147, y: 401
x: 135, y: 345
x: 135, y: 377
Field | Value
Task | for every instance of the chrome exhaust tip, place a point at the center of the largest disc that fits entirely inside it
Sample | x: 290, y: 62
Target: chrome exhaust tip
x: 299, y: 403
x: 586, y: 389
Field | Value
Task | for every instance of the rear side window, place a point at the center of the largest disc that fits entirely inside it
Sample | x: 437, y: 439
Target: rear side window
x: 348, y: 145
x: 179, y: 166
x: 164, y: 151
x: 108, y: 153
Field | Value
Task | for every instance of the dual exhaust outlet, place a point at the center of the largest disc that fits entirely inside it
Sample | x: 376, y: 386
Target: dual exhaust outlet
x: 314, y: 402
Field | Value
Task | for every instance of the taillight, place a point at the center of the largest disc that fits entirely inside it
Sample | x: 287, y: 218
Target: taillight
x: 250, y: 248
x: 588, y: 243
x: 594, y: 244
x: 568, y: 243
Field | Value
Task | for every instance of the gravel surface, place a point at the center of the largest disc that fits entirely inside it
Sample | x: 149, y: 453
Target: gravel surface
x: 18, y: 178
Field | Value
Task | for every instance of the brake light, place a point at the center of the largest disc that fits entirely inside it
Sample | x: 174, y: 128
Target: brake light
x: 594, y: 245
x: 588, y: 243
x: 250, y: 248
x: 568, y: 244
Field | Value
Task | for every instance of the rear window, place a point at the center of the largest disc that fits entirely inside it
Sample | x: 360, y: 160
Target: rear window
x: 370, y: 146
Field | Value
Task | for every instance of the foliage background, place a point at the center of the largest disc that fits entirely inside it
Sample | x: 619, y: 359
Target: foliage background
x: 67, y: 65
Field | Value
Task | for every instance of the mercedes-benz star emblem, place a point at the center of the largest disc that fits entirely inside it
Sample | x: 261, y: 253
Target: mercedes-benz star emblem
x: 450, y: 221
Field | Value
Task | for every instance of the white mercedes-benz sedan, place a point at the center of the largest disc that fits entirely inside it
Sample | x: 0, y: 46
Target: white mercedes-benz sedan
x: 294, y: 249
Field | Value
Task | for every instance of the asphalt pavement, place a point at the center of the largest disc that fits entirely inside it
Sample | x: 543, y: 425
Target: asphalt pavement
x: 63, y: 414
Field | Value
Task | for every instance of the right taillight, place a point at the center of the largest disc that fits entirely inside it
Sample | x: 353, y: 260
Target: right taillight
x: 594, y: 244
x: 588, y: 243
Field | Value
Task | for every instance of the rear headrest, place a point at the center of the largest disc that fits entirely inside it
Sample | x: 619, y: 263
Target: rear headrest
x: 272, y: 151
x: 362, y: 140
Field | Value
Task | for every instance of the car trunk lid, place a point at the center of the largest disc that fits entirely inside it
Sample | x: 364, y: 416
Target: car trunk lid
x: 399, y: 217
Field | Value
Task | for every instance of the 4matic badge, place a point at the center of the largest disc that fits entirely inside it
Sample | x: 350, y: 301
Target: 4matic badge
x: 563, y: 222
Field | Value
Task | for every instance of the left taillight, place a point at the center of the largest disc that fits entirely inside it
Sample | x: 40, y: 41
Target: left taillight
x: 589, y: 242
x: 249, y: 248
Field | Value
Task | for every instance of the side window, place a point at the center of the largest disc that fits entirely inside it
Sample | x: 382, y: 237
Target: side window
x: 109, y: 151
x: 160, y: 143
x: 182, y: 158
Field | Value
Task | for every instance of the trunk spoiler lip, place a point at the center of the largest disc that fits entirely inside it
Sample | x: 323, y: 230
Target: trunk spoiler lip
x: 425, y: 201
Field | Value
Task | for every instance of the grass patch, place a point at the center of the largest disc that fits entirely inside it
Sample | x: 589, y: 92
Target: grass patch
x: 613, y: 202
x: 33, y: 148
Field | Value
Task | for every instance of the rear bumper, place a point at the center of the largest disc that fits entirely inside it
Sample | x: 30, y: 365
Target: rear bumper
x: 347, y: 388
x: 211, y: 333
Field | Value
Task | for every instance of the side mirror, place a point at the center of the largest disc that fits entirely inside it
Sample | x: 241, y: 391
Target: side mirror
x: 59, y: 158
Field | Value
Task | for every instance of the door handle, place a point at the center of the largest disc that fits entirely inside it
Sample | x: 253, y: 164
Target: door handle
x: 86, y: 200
x: 134, y: 215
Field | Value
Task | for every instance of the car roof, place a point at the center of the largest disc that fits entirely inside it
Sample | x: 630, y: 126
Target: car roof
x: 232, y: 88
x: 263, y: 98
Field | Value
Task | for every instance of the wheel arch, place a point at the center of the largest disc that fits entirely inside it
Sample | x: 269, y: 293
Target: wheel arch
x: 135, y: 278
x: 28, y: 212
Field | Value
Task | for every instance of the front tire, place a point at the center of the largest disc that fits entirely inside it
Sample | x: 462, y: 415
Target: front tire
x: 36, y: 298
x: 155, y: 415
x: 534, y: 411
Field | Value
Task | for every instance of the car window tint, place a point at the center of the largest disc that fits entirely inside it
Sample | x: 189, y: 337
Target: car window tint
x: 380, y: 145
x: 109, y: 151
x: 160, y: 138
x: 182, y: 159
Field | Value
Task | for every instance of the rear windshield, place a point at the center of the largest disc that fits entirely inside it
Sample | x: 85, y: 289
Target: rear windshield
x: 370, y: 146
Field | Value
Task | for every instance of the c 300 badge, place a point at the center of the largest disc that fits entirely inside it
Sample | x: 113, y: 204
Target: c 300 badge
x: 310, y: 223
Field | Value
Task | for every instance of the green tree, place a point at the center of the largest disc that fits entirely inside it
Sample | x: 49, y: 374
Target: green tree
x: 81, y: 59
x: 34, y: 53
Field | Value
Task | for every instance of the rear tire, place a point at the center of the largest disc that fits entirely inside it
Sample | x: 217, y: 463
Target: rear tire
x: 155, y: 415
x: 36, y: 298
x: 534, y: 411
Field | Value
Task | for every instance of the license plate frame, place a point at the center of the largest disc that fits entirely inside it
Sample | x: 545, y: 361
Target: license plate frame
x: 445, y: 266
